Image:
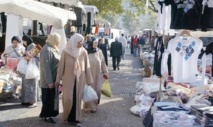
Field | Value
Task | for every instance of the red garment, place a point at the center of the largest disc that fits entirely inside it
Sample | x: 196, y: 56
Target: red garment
x: 135, y: 41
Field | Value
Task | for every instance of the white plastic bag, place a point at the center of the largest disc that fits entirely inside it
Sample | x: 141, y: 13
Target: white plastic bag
x: 89, y: 94
x: 22, y: 66
x: 32, y: 70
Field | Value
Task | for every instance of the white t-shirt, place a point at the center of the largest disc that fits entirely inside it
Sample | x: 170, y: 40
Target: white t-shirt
x: 209, y: 3
x: 164, y: 18
x: 185, y: 52
x: 123, y: 41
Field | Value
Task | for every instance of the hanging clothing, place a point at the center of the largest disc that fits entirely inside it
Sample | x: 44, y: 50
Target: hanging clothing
x: 159, y: 50
x: 184, y: 52
x: 185, y: 14
x: 98, y: 69
x: 207, y: 15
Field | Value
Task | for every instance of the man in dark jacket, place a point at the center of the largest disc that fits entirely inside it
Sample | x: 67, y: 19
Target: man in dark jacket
x: 115, y: 53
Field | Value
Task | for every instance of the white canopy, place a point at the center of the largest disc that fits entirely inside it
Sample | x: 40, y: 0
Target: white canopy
x: 37, y: 11
x: 91, y: 8
x: 68, y: 2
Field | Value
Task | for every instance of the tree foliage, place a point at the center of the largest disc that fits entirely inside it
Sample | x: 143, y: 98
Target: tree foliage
x: 140, y: 5
x: 131, y: 24
x: 106, y: 6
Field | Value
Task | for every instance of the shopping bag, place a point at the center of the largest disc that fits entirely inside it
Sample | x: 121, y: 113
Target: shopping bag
x: 22, y: 66
x: 106, y: 89
x: 32, y: 70
x: 12, y: 63
x: 89, y: 94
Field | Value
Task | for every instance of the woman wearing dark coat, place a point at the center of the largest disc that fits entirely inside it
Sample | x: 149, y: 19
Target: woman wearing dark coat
x: 103, y: 47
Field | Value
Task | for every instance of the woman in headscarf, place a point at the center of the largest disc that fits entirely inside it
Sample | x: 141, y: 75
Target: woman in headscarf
x: 74, y: 71
x: 99, y: 70
x: 29, y: 91
x: 104, y: 49
x: 49, y: 59
x: 16, y: 50
x: 28, y: 42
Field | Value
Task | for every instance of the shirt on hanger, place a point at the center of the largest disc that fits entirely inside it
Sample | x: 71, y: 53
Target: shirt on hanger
x: 186, y: 14
x: 164, y: 17
x: 184, y: 52
x: 207, y: 15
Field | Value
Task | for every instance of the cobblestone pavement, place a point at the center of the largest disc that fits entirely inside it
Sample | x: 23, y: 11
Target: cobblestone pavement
x: 113, y: 112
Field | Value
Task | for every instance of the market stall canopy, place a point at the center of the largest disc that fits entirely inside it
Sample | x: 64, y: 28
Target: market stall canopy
x: 68, y: 2
x: 91, y: 9
x: 37, y: 11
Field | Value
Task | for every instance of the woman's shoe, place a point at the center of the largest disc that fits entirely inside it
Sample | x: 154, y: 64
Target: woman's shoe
x: 50, y: 120
x: 78, y: 124
x: 33, y: 105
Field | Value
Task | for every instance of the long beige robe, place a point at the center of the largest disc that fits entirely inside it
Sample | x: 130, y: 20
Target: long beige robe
x: 66, y: 74
x: 98, y: 68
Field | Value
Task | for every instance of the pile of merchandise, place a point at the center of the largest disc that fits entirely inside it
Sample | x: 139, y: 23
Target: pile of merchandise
x: 147, y: 60
x: 204, y: 114
x: 10, y: 84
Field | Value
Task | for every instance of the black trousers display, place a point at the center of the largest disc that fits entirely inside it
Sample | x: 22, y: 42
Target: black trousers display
x: 48, y: 110
x: 72, y: 115
x: 116, y: 62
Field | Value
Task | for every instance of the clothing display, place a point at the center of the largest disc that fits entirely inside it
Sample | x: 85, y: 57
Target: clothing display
x: 204, y: 114
x: 184, y: 52
x: 175, y: 118
x: 207, y: 15
x: 159, y: 50
x: 185, y: 14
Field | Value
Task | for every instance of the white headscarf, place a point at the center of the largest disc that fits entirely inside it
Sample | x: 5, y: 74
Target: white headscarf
x: 54, y: 39
x: 74, y: 51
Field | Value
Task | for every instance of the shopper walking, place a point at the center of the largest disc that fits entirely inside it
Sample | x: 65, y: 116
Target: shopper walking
x: 104, y: 47
x: 129, y: 39
x: 49, y: 59
x: 29, y: 93
x: 115, y: 53
x: 135, y: 45
x: 99, y: 70
x: 123, y: 41
x: 74, y: 71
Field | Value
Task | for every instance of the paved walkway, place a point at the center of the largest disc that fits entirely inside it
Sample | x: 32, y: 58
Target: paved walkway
x: 113, y: 112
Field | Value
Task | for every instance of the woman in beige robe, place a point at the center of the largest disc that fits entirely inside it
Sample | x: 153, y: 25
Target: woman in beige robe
x: 74, y: 71
x: 99, y: 69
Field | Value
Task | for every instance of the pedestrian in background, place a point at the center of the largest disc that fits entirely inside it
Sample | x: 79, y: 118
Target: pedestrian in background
x: 115, y: 53
x: 49, y: 59
x: 135, y: 45
x: 74, y: 71
x: 104, y: 47
x: 99, y: 70
x: 129, y: 39
x: 141, y: 43
x: 123, y: 41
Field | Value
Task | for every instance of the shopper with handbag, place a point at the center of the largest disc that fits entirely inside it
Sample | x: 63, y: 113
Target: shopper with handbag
x: 74, y: 71
x: 99, y: 72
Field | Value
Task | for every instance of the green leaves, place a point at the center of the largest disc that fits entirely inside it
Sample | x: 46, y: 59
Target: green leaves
x: 107, y: 6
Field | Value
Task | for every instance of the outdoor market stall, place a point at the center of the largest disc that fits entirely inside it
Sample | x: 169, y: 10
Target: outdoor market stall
x: 180, y: 93
x: 16, y: 10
